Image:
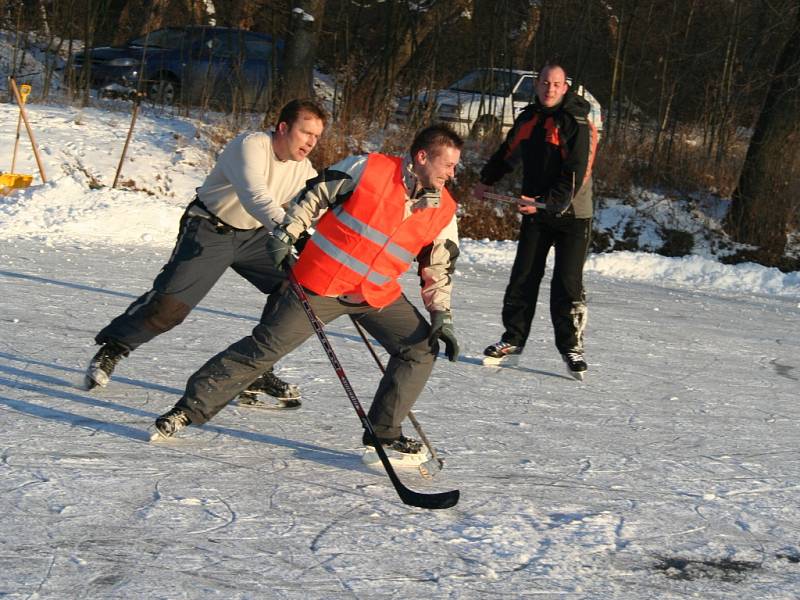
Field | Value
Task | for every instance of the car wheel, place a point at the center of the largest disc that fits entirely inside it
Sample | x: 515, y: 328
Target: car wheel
x: 164, y: 91
x: 485, y: 127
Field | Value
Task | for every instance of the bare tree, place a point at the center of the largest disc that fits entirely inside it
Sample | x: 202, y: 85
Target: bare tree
x: 305, y: 26
x: 763, y: 201
x: 406, y: 30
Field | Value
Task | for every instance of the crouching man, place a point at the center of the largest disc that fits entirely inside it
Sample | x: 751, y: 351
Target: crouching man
x: 380, y: 213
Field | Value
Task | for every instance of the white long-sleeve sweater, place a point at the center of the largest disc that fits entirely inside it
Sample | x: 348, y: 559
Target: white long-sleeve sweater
x: 249, y: 185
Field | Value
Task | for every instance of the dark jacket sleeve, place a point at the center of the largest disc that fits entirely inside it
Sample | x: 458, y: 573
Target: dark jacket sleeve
x: 507, y: 156
x: 575, y: 130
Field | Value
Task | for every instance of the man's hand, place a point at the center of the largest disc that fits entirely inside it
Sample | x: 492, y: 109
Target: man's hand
x: 279, y: 247
x: 480, y: 189
x: 442, y: 329
x: 301, y: 242
x: 525, y: 208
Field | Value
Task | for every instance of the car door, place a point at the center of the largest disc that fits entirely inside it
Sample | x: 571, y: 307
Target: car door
x: 251, y: 72
x: 523, y: 94
x: 207, y: 74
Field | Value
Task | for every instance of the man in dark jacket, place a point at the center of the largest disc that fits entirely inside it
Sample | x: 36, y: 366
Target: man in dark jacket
x: 552, y: 139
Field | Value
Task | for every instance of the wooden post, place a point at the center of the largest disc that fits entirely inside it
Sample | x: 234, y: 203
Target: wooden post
x: 24, y: 90
x: 136, y: 101
x: 22, y: 112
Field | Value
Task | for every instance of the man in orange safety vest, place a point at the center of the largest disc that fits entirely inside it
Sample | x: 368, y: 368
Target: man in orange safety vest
x: 373, y: 216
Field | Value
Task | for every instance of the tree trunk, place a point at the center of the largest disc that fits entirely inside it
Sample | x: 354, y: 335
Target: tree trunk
x: 373, y: 84
x: 763, y: 200
x: 526, y: 33
x: 138, y: 17
x: 305, y: 26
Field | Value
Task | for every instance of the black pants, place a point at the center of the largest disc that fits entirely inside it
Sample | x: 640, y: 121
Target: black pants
x: 538, y: 234
x: 399, y: 327
x: 201, y: 255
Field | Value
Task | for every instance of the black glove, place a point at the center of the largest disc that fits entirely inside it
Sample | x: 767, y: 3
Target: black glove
x: 301, y: 242
x: 279, y: 247
x: 442, y: 329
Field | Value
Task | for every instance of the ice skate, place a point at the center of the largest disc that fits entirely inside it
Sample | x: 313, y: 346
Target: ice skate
x: 576, y: 365
x: 286, y: 395
x: 501, y: 354
x: 402, y: 452
x: 102, y: 365
x: 170, y: 423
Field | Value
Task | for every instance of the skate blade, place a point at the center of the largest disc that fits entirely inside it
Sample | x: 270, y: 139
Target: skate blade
x: 431, y: 468
x: 504, y: 361
x: 94, y: 380
x: 578, y: 375
x: 157, y: 437
x: 398, y: 459
x: 279, y: 404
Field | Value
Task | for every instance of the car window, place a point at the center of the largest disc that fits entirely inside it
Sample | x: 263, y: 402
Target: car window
x: 487, y: 81
x: 525, y: 90
x: 258, y: 49
x: 223, y: 44
x: 161, y: 38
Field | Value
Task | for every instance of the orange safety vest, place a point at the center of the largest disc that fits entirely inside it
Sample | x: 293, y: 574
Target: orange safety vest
x: 363, y: 245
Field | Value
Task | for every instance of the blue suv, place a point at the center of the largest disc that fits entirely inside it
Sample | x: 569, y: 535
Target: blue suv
x: 219, y: 67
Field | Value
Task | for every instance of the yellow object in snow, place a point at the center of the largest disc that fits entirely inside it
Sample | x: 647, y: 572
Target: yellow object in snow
x: 24, y: 90
x: 13, y: 181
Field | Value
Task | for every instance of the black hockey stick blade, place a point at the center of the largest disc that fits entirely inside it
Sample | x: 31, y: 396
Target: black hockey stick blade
x: 408, y: 496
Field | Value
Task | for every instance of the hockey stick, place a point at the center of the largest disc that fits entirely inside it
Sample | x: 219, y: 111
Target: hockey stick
x: 512, y: 200
x: 430, y: 467
x: 408, y: 496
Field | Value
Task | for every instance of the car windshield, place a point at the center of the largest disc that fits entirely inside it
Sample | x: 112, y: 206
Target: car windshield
x: 161, y: 38
x: 487, y: 81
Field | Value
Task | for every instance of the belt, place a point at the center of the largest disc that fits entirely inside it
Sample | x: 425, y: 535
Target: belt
x: 220, y: 225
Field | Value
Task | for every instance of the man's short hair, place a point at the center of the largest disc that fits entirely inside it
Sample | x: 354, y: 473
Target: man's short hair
x: 291, y: 112
x: 434, y: 136
x: 552, y: 63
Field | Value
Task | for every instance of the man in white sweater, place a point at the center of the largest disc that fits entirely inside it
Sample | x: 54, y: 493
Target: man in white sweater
x: 226, y: 225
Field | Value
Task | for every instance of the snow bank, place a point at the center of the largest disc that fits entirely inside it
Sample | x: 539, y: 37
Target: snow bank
x: 169, y: 157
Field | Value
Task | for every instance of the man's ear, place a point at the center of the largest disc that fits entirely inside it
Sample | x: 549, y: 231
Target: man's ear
x: 421, y: 157
x: 283, y: 127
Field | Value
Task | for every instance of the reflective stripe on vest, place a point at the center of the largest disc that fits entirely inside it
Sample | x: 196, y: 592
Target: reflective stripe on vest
x: 349, y: 261
x: 372, y: 234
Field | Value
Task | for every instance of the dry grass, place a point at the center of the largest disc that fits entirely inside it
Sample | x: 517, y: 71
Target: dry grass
x: 628, y: 161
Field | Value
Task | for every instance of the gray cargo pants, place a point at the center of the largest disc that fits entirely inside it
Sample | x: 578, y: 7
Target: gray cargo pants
x: 399, y: 327
x: 202, y: 253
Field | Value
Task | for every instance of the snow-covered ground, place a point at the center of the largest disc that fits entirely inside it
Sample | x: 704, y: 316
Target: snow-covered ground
x: 671, y: 472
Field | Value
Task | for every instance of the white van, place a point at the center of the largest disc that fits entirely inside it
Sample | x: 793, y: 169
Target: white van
x: 484, y: 101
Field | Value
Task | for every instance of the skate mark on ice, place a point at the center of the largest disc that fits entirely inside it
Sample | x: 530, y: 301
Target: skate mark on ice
x: 199, y: 514
x: 73, y: 419
x: 80, y: 372
x: 303, y: 451
x: 472, y: 360
x: 783, y: 370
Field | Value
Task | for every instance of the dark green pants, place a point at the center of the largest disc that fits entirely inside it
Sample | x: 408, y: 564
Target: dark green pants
x: 399, y: 328
x: 202, y: 253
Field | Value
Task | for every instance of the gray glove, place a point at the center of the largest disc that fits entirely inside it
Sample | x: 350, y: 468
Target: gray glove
x: 279, y: 247
x: 442, y: 329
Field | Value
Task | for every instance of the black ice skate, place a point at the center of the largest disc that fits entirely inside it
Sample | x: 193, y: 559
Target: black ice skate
x: 102, y: 365
x: 501, y: 353
x: 402, y: 452
x: 576, y: 365
x: 170, y: 423
x: 286, y: 394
